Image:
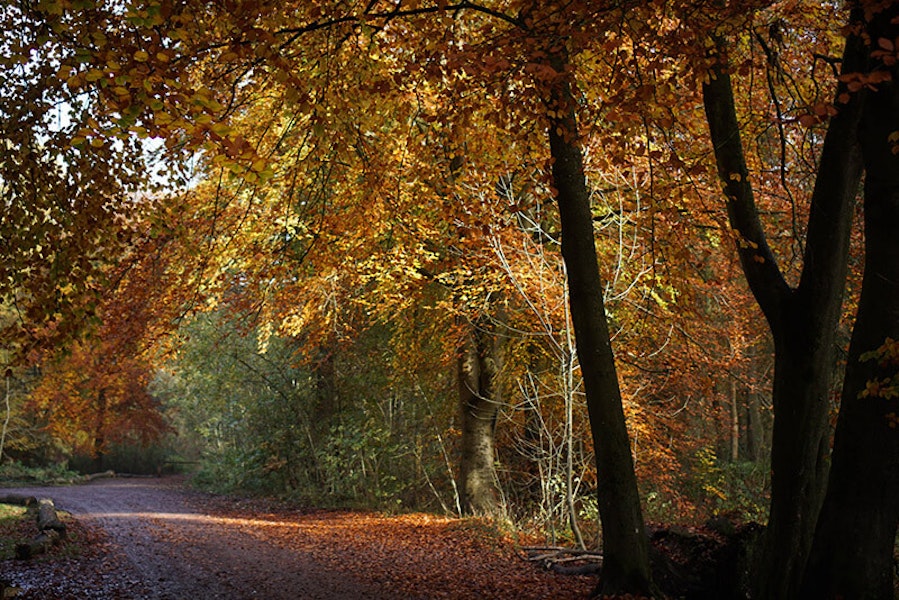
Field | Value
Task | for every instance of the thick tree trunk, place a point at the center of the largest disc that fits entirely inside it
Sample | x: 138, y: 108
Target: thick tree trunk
x: 803, y: 320
x: 798, y: 459
x: 625, y: 547
x: 479, y: 409
x: 852, y: 556
x: 47, y: 517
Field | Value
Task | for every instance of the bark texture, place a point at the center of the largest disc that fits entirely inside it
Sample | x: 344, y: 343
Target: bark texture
x: 625, y: 547
x: 478, y: 366
x: 803, y: 319
x: 853, y: 550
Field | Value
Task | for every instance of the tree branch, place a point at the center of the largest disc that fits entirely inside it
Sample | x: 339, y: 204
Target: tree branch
x: 759, y: 264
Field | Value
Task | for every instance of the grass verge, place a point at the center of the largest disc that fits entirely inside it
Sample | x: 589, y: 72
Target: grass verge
x: 16, y: 525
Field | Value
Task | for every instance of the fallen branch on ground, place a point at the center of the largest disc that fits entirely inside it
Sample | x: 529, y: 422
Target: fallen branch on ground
x: 103, y: 475
x: 568, y: 561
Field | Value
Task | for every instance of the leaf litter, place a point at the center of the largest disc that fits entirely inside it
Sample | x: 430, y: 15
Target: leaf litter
x: 184, y: 541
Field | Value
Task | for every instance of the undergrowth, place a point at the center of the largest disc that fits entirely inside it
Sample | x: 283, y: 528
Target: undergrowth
x: 15, y: 473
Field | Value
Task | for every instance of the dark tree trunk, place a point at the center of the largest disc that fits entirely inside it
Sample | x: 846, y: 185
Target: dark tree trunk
x: 800, y: 439
x: 324, y: 409
x: 326, y: 396
x: 803, y: 320
x: 98, y: 445
x: 734, y: 422
x: 624, y: 544
x: 852, y: 556
x: 478, y: 366
x: 756, y: 428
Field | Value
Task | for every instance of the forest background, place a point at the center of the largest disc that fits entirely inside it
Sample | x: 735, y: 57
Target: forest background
x: 378, y: 253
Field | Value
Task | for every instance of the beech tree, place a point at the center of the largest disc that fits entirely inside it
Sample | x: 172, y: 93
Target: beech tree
x: 852, y: 554
x: 802, y: 319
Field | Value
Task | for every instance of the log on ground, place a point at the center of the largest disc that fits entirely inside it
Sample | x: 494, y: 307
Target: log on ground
x: 51, y: 531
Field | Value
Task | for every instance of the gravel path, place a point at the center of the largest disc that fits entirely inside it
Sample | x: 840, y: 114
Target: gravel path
x: 163, y: 545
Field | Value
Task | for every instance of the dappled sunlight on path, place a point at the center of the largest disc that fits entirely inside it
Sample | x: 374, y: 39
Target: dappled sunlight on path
x: 168, y: 543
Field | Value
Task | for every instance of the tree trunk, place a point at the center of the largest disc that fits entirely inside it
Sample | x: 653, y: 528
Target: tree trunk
x: 852, y: 556
x: 625, y: 546
x: 326, y: 396
x: 98, y: 448
x: 47, y: 518
x: 51, y: 530
x: 480, y: 408
x: 734, y: 422
x: 803, y: 320
x: 7, y: 416
x: 798, y: 458
x: 756, y: 430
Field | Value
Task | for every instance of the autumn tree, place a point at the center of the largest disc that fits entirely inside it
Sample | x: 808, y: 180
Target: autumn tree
x: 852, y: 554
x: 69, y: 202
x: 858, y: 135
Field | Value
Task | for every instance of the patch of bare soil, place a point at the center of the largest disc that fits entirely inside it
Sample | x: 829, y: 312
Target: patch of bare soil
x: 154, y: 539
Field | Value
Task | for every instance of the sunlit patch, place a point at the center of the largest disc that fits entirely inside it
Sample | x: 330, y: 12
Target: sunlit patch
x: 193, y: 518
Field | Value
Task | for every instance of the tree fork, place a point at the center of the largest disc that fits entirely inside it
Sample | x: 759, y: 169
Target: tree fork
x: 802, y: 320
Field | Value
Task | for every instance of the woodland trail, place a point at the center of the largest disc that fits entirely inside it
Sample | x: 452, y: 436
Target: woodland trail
x: 155, y: 539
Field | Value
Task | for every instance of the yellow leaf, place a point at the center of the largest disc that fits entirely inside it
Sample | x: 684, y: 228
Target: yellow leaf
x: 64, y: 72
x: 221, y: 129
x: 141, y: 56
x: 735, y: 177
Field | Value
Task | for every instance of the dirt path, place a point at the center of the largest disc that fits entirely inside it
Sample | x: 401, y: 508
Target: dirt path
x: 172, y: 550
x: 154, y: 539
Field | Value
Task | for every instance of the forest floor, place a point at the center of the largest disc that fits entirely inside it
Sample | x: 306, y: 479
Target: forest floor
x: 156, y: 539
